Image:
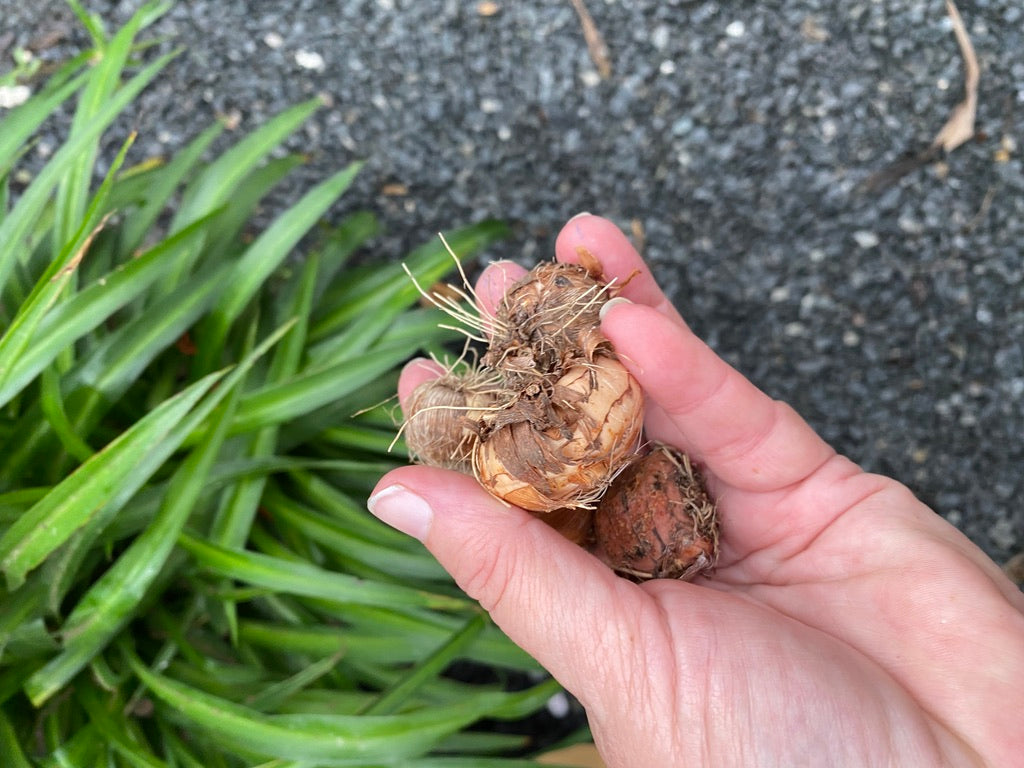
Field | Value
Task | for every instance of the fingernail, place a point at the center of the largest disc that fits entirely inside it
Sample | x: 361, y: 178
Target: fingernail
x: 612, y: 303
x: 402, y: 509
x: 580, y: 215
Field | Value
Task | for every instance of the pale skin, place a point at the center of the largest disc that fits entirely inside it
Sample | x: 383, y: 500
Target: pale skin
x: 847, y: 624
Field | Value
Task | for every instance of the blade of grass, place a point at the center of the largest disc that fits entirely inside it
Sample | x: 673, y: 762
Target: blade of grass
x: 262, y: 258
x: 214, y: 186
x: 113, y: 366
x: 277, y: 403
x: 239, y: 209
x: 430, y: 262
x: 110, y: 602
x: 161, y: 186
x: 479, y: 744
x: 23, y: 217
x: 92, y: 22
x: 73, y: 190
x: 234, y: 519
x: 337, y: 739
x: 335, y: 537
x: 71, y: 504
x: 344, y: 239
x: 361, y: 437
x: 22, y: 122
x: 10, y: 745
x: 226, y: 472
x: 272, y: 696
x: 119, y: 360
x: 73, y: 319
x: 403, y: 639
x: 56, y: 277
x: 65, y: 563
x: 52, y: 404
x: 216, y: 183
x: 116, y: 730
x: 313, y: 489
x: 231, y: 526
x: 306, y: 579
x: 18, y: 608
x: 396, y: 696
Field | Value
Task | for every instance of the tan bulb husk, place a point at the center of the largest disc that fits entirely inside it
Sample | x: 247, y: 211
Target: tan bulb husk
x: 657, y: 519
x: 560, y: 449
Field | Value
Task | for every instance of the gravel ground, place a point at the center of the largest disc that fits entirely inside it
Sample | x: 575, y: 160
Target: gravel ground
x: 731, y: 137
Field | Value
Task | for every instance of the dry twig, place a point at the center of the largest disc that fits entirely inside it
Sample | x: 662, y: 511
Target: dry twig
x: 595, y: 42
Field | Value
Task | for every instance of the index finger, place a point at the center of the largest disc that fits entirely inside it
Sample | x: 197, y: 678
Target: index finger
x: 619, y: 260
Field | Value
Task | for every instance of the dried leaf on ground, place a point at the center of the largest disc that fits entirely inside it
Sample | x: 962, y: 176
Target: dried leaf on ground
x: 958, y: 129
x: 960, y: 126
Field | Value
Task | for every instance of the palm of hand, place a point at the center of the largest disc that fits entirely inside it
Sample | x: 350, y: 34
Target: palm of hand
x: 846, y: 624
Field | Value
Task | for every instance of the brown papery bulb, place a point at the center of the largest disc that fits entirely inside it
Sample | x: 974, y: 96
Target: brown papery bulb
x: 441, y: 421
x: 658, y: 520
x: 560, y: 448
x: 549, y: 320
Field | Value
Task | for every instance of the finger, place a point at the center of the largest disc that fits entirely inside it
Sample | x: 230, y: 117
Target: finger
x: 618, y: 258
x: 547, y: 594
x: 415, y: 373
x: 494, y: 282
x: 701, y: 404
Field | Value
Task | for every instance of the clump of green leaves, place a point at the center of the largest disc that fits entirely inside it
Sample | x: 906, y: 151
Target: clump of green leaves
x: 189, y: 423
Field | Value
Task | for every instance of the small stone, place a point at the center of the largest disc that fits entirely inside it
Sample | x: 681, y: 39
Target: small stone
x: 558, y: 705
x: 490, y: 106
x: 736, y: 29
x: 910, y: 225
x: 660, y: 37
x: 273, y: 40
x: 829, y: 129
x: 811, y: 29
x: 13, y: 95
x: 865, y: 238
x: 1003, y: 534
x: 310, y: 60
x: 851, y: 338
x: 590, y: 78
x: 667, y: 67
x: 487, y: 9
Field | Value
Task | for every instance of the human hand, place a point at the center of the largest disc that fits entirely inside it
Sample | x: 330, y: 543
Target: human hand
x: 846, y: 623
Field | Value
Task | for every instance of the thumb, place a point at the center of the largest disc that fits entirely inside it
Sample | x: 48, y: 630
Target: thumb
x: 552, y: 598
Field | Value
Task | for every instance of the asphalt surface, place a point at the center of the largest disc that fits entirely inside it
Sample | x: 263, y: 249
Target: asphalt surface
x: 733, y: 138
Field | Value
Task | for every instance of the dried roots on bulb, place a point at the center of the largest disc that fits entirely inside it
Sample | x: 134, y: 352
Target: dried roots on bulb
x: 549, y: 320
x: 442, y: 426
x: 658, y: 520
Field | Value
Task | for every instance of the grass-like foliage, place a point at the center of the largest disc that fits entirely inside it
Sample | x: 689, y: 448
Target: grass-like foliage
x: 190, y: 419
